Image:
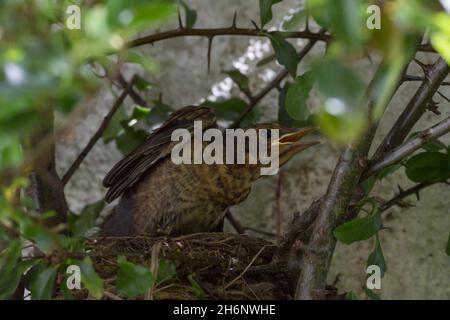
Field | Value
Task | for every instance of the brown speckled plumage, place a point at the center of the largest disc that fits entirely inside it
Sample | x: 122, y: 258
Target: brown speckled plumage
x: 160, y: 197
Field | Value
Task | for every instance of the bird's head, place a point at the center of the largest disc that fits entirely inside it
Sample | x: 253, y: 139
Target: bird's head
x: 289, y: 141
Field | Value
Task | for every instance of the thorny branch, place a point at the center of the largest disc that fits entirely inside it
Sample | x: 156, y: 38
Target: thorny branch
x: 396, y: 200
x: 181, y: 31
x: 99, y: 132
x: 231, y: 31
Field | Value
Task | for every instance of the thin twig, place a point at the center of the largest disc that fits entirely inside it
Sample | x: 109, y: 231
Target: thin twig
x: 98, y: 133
x: 406, y: 149
x: 421, y: 79
x: 246, y: 268
x: 236, y: 225
x: 443, y: 96
x: 265, y: 233
x: 279, y: 212
x: 403, y: 194
x: 133, y: 94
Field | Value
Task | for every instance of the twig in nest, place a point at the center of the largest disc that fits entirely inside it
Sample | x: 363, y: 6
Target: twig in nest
x: 246, y: 268
x: 112, y: 295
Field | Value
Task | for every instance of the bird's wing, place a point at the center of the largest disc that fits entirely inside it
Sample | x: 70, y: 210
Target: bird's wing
x: 158, y: 145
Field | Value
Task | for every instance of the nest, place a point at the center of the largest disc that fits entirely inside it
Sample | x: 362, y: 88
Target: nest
x: 221, y: 265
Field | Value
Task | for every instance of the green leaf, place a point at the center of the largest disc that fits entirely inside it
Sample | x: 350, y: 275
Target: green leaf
x: 130, y: 139
x: 9, y: 270
x: 265, y: 10
x: 440, y: 38
x: 90, y: 278
x: 342, y: 116
x: 166, y: 270
x: 44, y: 239
x: 132, y: 280
x: 240, y: 79
x: 158, y: 113
x: 297, y: 97
x: 86, y: 219
x: 368, y: 185
x: 42, y: 284
x: 10, y: 280
x: 358, y: 229
x: 447, y: 249
x: 388, y: 171
x: 285, y: 53
x: 377, y: 257
x: 284, y: 119
x: 266, y: 60
x: 337, y: 80
x: 295, y: 21
x: 371, y: 295
x: 231, y: 109
x: 434, y: 145
x: 351, y: 296
x: 191, y: 15
x: 151, y: 13
x: 114, y: 127
x: 11, y: 153
x: 344, y: 18
x: 428, y: 167
x: 140, y: 112
x: 145, y: 62
x: 196, y: 288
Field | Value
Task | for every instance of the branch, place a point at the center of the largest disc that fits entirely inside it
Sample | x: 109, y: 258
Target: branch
x: 434, y: 76
x: 274, y: 83
x: 313, y: 261
x: 403, y: 194
x: 333, y: 206
x: 404, y: 150
x: 236, y: 225
x: 133, y: 94
x: 411, y: 78
x: 231, y: 31
x: 99, y: 132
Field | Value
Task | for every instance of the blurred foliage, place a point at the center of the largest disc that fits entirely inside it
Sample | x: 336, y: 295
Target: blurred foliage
x: 47, y: 67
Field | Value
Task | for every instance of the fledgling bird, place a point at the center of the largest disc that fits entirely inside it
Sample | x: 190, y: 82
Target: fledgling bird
x: 159, y: 197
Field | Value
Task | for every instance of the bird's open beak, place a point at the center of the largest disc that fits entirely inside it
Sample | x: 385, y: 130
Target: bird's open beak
x: 292, y: 143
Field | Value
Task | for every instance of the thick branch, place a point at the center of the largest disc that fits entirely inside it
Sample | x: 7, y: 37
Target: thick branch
x: 332, y: 209
x: 404, y: 150
x: 99, y: 132
x: 417, y: 106
x: 231, y: 31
